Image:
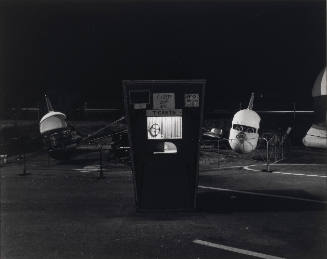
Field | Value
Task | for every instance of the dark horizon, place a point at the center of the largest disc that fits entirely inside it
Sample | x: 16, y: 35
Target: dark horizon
x: 80, y: 53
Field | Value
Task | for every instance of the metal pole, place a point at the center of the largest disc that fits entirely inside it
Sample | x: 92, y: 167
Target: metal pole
x: 275, y: 151
x: 38, y: 111
x: 267, y: 156
x: 24, y: 160
x: 101, y: 176
x: 282, y: 146
x: 218, y: 153
x: 294, y: 110
x: 24, y: 163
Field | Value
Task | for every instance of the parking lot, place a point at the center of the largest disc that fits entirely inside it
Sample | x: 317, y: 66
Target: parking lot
x: 62, y: 210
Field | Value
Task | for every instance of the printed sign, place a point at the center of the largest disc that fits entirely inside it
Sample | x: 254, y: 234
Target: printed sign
x: 192, y: 100
x: 163, y: 113
x: 166, y: 127
x: 164, y: 101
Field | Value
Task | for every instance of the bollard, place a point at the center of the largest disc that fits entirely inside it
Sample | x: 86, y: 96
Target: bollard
x: 24, y: 166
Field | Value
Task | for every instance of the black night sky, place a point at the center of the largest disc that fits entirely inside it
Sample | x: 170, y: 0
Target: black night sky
x: 82, y: 51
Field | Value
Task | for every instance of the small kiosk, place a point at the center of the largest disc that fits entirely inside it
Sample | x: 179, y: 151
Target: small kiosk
x: 164, y: 126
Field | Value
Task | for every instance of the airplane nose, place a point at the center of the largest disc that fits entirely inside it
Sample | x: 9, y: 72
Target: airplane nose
x: 241, y: 137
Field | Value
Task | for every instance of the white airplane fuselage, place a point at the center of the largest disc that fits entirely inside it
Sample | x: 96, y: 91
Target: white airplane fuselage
x: 316, y: 136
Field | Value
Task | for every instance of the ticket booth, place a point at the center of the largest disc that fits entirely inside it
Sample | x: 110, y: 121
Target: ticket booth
x: 164, y: 126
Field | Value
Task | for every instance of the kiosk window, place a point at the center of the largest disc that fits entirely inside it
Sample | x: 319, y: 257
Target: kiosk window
x: 139, y: 96
x: 169, y: 127
x: 168, y: 148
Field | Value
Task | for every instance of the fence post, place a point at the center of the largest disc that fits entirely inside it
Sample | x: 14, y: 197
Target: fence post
x: 24, y: 159
x: 267, y: 156
x: 218, y: 152
x: 282, y: 146
x: 275, y: 152
x: 101, y: 176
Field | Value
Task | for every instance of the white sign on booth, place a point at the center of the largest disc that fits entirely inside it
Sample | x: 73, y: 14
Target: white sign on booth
x: 192, y: 100
x: 164, y: 101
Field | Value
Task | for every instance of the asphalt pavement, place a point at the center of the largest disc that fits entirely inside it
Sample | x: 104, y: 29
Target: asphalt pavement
x: 63, y: 210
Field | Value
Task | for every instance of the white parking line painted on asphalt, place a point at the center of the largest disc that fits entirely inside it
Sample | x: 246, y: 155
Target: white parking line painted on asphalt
x: 96, y: 168
x: 88, y: 169
x: 299, y: 164
x: 252, y: 169
x: 236, y: 250
x: 263, y: 194
x: 222, y: 168
x: 286, y: 173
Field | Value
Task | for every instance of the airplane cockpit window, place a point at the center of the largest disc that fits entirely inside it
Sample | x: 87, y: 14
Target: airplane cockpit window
x: 238, y: 127
x: 244, y: 128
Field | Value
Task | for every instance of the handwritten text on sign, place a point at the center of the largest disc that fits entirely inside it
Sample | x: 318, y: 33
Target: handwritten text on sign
x: 192, y: 100
x: 164, y: 101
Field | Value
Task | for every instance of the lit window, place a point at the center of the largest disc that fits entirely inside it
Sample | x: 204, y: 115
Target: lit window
x: 169, y: 127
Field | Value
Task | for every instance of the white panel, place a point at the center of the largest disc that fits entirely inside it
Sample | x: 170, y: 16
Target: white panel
x: 164, y: 127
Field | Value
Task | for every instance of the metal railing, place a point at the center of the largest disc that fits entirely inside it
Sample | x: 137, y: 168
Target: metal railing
x: 273, y: 148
